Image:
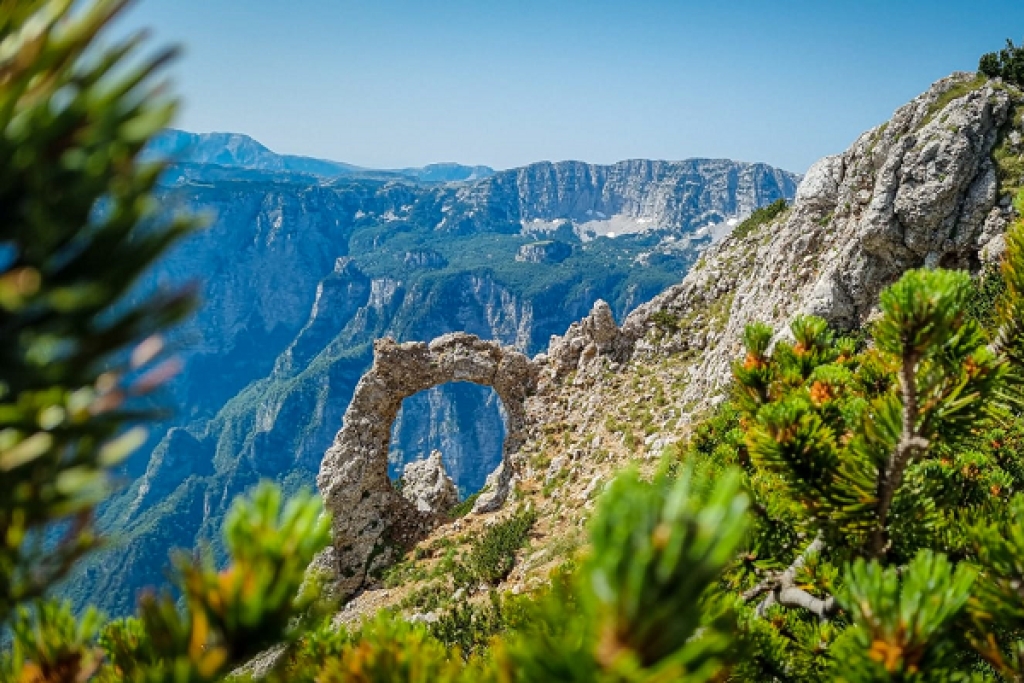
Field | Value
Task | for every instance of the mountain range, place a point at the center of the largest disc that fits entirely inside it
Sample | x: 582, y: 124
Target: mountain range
x: 303, y: 263
x: 237, y: 151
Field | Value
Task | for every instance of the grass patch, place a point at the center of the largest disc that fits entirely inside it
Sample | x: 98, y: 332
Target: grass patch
x: 556, y: 481
x: 1010, y: 169
x: 463, y: 508
x: 956, y: 92
x: 428, y: 598
x: 404, y: 572
x: 719, y: 311
x: 629, y: 440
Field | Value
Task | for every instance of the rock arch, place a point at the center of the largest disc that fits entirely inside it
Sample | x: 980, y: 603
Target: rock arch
x: 369, y: 516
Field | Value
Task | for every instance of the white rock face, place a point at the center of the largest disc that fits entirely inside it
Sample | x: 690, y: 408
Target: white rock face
x: 918, y: 191
x: 426, y: 484
x: 627, y: 197
x: 821, y: 184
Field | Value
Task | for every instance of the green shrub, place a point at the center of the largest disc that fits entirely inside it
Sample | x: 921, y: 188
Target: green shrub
x: 80, y: 352
x: 987, y: 289
x: 493, y: 556
x: 1007, y: 64
x: 388, y: 650
x: 471, y: 627
x: 48, y: 640
x: 761, y: 216
x: 75, y: 352
x: 665, y: 321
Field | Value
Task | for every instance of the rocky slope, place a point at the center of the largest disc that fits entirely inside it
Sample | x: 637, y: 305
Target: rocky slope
x: 922, y: 189
x: 300, y: 274
x: 928, y: 188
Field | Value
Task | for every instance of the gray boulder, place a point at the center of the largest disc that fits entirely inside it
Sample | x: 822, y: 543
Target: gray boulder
x: 426, y: 484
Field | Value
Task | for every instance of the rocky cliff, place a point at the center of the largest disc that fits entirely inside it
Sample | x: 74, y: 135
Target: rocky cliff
x: 928, y: 188
x: 629, y: 197
x: 922, y: 189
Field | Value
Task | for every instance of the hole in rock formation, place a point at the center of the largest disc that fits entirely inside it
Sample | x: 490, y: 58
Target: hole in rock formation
x: 371, y: 521
x: 464, y: 421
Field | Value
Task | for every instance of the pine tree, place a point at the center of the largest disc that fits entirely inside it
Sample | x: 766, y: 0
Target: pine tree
x: 71, y: 201
x: 887, y: 481
x: 79, y: 344
x: 1007, y: 64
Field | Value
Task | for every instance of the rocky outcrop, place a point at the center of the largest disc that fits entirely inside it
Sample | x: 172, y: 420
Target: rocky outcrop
x: 597, y: 335
x: 428, y: 487
x: 370, y: 518
x: 177, y: 458
x: 918, y: 191
x: 424, y: 258
x: 547, y: 251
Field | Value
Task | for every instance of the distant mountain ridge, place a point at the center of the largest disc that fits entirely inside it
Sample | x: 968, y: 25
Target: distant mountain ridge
x: 235, y: 150
x: 628, y: 197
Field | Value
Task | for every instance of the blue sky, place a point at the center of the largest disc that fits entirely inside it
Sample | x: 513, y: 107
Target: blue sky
x: 392, y: 83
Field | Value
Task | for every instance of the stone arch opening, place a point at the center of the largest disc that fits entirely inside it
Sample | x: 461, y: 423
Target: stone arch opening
x: 370, y: 519
x: 465, y: 422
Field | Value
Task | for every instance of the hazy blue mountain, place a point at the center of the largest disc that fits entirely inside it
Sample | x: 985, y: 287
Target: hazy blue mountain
x: 237, y: 151
x: 299, y: 273
x: 447, y: 172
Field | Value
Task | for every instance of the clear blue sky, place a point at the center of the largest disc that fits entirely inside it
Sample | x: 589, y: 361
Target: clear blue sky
x: 388, y: 83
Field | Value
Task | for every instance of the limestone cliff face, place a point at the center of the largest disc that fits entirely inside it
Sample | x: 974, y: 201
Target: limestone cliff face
x: 258, y: 266
x: 628, y: 197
